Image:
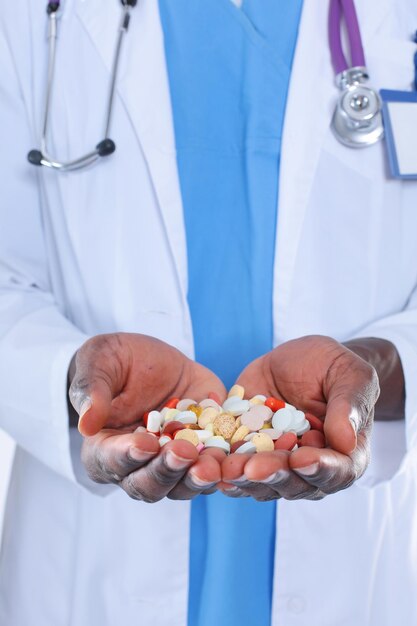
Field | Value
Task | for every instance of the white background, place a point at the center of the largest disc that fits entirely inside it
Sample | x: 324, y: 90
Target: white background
x: 6, y: 456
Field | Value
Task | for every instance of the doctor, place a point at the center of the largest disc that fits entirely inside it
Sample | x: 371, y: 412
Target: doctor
x: 172, y: 239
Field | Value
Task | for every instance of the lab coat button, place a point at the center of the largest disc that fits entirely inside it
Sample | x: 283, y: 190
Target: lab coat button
x: 296, y: 605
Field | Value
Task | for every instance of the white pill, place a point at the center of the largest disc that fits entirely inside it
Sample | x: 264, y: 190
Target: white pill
x: 203, y: 435
x: 298, y: 418
x: 208, y: 403
x: 246, y: 448
x: 236, y: 406
x: 282, y: 420
x: 271, y: 432
x: 290, y: 406
x: 186, y: 417
x: 184, y: 404
x: 259, y: 399
x: 217, y: 442
x: 302, y: 428
x: 295, y: 448
x: 154, y: 422
x: 140, y: 429
x: 164, y: 440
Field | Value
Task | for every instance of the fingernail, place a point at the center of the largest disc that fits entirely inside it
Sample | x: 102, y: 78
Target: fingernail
x: 85, y: 406
x: 240, y: 480
x: 309, y: 470
x: 176, y: 462
x: 230, y: 490
x: 277, y: 477
x: 197, y: 482
x: 354, y: 425
x: 140, y: 455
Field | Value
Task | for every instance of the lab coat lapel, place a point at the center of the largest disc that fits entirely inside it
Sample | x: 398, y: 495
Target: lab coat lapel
x: 143, y: 87
x: 311, y: 100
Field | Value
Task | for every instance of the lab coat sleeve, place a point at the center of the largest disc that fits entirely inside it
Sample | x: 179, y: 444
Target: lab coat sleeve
x: 37, y: 342
x: 401, y: 330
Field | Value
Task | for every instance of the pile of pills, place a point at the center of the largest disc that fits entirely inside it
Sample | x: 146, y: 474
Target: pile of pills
x: 260, y: 424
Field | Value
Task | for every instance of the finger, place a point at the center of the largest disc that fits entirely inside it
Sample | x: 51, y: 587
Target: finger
x: 203, y: 476
x: 351, y: 400
x: 109, y: 457
x: 204, y: 382
x: 231, y: 491
x: 272, y: 470
x: 235, y: 482
x: 155, y: 480
x: 329, y: 470
x: 91, y: 396
x: 216, y: 453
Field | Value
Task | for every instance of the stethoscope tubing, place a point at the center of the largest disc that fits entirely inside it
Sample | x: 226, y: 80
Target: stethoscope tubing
x: 346, y: 9
x: 106, y: 146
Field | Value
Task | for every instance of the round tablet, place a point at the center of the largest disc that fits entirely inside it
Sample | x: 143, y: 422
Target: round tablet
x: 262, y: 443
x: 282, y: 419
x: 217, y: 442
x: 224, y: 425
x: 256, y: 417
x: 246, y: 448
x: 184, y: 404
x: 240, y: 434
x: 188, y: 435
x: 235, y: 406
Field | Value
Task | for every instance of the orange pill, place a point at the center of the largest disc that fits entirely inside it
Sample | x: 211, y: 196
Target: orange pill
x: 314, y: 439
x: 286, y: 442
x: 172, y: 403
x: 274, y: 404
x: 315, y: 422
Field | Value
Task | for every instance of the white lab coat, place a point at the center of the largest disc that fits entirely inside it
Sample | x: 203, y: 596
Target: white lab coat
x: 104, y: 250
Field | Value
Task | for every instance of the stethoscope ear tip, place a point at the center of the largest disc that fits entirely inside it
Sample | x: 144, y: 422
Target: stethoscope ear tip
x: 35, y: 157
x: 106, y: 147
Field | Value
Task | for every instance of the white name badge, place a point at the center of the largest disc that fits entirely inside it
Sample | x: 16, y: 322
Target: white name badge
x: 399, y: 110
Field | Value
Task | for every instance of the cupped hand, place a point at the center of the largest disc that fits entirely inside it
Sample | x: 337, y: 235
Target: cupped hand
x: 320, y: 376
x: 115, y: 379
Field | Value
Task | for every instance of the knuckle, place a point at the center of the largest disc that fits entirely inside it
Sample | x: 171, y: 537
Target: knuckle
x: 138, y: 492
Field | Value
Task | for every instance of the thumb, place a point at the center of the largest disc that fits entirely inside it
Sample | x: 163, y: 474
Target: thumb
x: 343, y: 421
x: 92, y: 400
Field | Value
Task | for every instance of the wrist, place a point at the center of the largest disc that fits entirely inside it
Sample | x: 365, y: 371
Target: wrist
x: 384, y: 357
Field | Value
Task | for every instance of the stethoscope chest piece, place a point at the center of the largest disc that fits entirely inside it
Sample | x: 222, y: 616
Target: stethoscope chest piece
x: 357, y: 119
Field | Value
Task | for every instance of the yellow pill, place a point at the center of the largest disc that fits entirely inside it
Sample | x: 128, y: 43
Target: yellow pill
x: 257, y: 400
x: 207, y: 417
x: 267, y: 425
x: 188, y: 435
x: 237, y: 391
x: 240, y: 434
x: 210, y: 427
x: 170, y: 414
x: 262, y: 443
x: 224, y: 425
x: 238, y: 422
x: 195, y: 409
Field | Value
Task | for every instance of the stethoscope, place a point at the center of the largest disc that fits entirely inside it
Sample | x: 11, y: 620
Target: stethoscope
x: 357, y: 120
x: 106, y: 146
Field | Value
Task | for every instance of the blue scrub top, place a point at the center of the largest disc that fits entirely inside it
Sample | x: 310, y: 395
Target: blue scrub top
x: 229, y: 71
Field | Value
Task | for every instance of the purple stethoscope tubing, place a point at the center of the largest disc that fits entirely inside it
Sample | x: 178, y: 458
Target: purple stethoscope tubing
x: 346, y: 9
